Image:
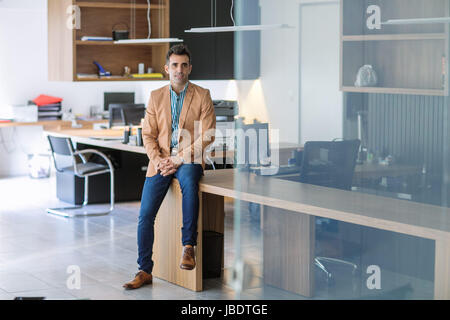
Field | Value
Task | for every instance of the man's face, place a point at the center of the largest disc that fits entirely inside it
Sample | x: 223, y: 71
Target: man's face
x: 178, y: 69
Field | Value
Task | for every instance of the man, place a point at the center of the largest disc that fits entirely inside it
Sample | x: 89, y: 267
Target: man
x: 179, y: 124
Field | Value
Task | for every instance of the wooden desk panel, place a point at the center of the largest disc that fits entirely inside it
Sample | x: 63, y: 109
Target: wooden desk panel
x: 288, y: 250
x: 167, y: 247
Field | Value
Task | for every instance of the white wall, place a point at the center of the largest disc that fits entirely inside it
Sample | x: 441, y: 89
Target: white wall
x: 300, y: 69
x: 279, y: 67
x: 320, y: 97
x: 23, y: 76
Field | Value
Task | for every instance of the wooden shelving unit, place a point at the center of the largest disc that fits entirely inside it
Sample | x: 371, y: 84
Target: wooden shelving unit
x: 115, y: 5
x: 111, y: 43
x: 118, y: 79
x: 69, y: 55
x: 408, y: 58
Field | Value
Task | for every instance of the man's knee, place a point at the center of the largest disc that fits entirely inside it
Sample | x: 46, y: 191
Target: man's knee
x: 189, y: 172
x: 146, y: 216
x: 190, y: 188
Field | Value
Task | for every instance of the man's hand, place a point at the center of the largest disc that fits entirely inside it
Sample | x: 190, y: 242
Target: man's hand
x: 169, y: 165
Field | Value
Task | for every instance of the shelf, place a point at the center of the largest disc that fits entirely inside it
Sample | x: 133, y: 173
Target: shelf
x: 111, y: 43
x: 148, y: 41
x: 113, y: 5
x: 119, y: 79
x: 417, y: 21
x: 395, y: 37
x: 424, y: 92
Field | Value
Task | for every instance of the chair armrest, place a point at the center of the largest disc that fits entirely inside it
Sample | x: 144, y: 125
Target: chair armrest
x: 101, y: 154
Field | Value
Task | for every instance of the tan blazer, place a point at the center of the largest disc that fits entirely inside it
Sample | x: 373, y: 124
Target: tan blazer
x: 196, y: 126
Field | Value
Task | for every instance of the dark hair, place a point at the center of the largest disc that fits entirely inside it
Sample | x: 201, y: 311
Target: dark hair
x: 178, y: 49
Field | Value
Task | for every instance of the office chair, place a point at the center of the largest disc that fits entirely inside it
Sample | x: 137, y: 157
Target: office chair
x: 329, y: 164
x: 117, y: 115
x: 63, y: 147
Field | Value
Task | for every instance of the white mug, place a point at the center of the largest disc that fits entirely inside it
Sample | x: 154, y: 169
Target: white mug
x: 141, y: 68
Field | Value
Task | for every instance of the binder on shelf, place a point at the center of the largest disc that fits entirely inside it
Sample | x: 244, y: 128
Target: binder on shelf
x: 89, y: 38
x: 148, y: 75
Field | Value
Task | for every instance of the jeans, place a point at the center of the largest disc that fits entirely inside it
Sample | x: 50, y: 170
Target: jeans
x: 153, y: 193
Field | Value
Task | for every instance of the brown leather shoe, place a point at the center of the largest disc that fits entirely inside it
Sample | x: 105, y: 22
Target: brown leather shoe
x: 140, y: 279
x: 187, y: 258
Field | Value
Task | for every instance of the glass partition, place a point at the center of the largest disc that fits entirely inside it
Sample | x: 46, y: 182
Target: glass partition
x: 341, y: 155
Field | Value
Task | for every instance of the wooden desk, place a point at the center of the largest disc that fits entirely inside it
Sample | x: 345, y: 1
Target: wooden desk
x: 52, y: 124
x: 85, y: 136
x: 289, y: 209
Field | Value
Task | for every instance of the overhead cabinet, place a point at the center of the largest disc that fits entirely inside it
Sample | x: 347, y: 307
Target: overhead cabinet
x: 219, y: 55
x: 408, y: 55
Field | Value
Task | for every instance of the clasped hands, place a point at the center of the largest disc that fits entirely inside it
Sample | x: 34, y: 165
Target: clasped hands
x: 169, y: 165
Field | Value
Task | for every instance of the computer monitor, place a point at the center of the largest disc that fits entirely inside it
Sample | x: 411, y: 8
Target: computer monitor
x: 133, y: 116
x: 117, y: 116
x: 117, y: 97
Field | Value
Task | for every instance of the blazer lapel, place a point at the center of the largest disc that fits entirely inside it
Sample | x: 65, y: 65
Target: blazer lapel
x: 186, y: 105
x: 167, y: 112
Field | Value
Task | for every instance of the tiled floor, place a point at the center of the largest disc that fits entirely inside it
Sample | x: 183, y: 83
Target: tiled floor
x: 37, y: 248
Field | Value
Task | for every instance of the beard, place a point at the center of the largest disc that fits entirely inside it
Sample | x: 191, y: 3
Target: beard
x: 179, y: 78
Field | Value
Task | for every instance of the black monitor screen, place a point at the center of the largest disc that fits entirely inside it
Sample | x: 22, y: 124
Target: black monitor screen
x: 117, y: 97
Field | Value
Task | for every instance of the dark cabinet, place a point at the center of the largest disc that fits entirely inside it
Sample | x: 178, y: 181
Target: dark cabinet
x: 214, y: 54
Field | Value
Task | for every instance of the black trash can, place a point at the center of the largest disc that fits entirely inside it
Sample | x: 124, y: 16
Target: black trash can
x: 212, y: 254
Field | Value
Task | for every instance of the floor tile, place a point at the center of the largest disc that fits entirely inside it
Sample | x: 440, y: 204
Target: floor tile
x: 11, y: 282
x: 48, y: 294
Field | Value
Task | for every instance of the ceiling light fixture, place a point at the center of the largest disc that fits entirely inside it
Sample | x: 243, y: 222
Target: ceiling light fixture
x: 257, y: 27
x: 148, y: 39
x: 234, y: 27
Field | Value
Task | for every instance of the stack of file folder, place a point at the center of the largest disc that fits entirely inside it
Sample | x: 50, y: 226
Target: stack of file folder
x: 49, y: 108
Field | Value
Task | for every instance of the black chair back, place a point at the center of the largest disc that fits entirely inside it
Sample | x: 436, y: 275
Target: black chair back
x: 329, y: 163
x: 133, y: 116
x: 61, y: 146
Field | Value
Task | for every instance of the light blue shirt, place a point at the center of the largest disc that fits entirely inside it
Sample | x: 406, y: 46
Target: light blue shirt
x: 176, y: 104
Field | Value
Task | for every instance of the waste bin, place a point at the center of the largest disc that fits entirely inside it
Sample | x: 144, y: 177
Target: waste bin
x: 212, y: 254
x: 39, y: 165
